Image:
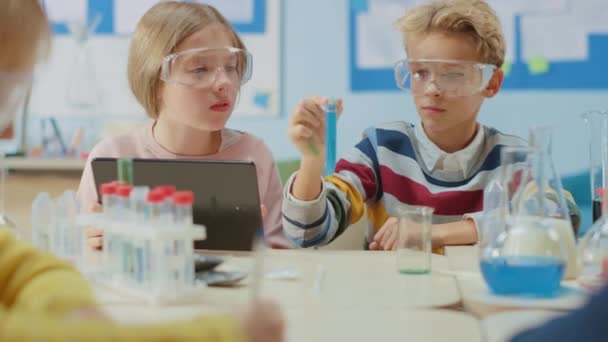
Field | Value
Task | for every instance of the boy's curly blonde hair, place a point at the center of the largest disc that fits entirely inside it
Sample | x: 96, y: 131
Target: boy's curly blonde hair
x: 473, y: 18
x: 158, y: 32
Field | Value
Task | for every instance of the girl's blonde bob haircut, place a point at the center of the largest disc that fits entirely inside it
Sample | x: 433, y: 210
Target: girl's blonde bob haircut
x: 157, y: 34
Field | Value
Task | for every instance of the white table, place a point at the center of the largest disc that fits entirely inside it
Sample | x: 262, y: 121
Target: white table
x: 325, y: 323
x: 361, y: 298
x: 463, y: 259
x: 357, y: 279
x: 351, y: 280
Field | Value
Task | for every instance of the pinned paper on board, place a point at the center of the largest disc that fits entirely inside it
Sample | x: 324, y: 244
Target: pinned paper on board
x: 560, y: 40
x: 538, y: 65
x: 258, y: 23
x: 262, y: 99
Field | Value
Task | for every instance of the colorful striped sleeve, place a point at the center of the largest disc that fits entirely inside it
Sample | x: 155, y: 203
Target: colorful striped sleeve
x: 341, y: 202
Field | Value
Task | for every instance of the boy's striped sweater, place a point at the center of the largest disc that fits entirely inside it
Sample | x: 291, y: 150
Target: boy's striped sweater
x: 386, y: 170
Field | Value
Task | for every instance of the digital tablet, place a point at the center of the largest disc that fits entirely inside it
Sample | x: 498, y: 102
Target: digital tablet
x: 226, y: 197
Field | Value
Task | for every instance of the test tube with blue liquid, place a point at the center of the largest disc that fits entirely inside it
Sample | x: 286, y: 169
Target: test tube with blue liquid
x: 123, y: 209
x: 43, y: 221
x: 138, y: 202
x: 153, y: 212
x: 181, y: 203
x: 108, y: 197
x: 331, y: 121
x: 182, y: 215
x: 169, y: 191
x: 257, y: 273
x: 155, y: 207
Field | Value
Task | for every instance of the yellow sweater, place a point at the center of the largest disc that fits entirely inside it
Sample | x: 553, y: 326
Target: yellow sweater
x: 37, y: 291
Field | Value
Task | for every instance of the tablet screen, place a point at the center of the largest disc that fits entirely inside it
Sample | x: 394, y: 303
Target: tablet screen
x: 226, y: 194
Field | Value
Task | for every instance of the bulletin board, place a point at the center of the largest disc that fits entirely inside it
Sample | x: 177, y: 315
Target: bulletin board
x: 257, y: 21
x: 551, y: 44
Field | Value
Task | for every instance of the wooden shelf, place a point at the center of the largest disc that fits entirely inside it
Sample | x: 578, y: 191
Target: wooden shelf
x: 29, y: 164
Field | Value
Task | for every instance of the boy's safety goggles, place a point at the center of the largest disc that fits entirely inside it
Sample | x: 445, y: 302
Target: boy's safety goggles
x: 451, y: 78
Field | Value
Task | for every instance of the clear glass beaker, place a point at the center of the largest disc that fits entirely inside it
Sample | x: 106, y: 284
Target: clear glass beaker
x: 82, y: 90
x: 414, y: 242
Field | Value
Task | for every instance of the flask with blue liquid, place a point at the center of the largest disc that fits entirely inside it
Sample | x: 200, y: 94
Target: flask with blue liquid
x: 533, y: 249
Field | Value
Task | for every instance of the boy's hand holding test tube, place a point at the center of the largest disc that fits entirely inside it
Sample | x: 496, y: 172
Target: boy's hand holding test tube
x: 307, y: 131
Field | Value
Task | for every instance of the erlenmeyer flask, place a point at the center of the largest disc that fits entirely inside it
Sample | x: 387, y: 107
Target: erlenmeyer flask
x: 597, y: 123
x: 549, y: 198
x: 495, y: 208
x: 523, y: 254
x: 529, y: 256
x: 82, y: 90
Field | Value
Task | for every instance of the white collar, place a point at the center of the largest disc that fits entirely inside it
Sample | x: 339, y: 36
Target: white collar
x: 435, y: 158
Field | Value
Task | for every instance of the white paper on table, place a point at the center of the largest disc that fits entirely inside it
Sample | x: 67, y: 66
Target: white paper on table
x: 66, y: 10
